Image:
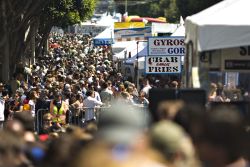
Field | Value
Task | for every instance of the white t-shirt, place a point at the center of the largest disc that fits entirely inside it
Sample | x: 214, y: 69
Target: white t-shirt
x: 91, y: 102
x: 146, y: 89
x: 2, y: 102
x: 32, y: 107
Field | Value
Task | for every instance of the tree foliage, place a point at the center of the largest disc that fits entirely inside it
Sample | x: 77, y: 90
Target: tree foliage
x: 17, y: 19
x: 21, y: 19
x: 63, y: 13
x: 190, y: 7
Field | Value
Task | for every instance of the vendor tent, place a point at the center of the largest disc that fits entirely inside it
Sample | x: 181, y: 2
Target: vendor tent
x: 163, y: 28
x: 105, y: 37
x: 131, y: 50
x: 118, y: 48
x: 223, y: 25
x: 179, y: 32
x: 141, y: 55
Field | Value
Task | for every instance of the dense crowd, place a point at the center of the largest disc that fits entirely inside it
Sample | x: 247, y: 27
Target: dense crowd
x: 75, y: 80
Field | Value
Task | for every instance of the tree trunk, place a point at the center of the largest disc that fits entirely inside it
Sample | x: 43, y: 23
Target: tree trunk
x: 5, y: 45
x: 44, y: 37
x: 15, y: 18
x: 34, y: 29
x: 5, y: 63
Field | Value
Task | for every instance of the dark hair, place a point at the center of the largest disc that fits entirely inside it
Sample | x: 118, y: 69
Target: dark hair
x: 104, y: 85
x: 5, y: 92
x: 57, y: 94
x: 89, y: 92
x: 26, y: 119
x: 224, y: 127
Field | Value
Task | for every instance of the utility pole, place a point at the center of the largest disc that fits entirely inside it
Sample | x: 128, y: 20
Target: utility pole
x: 126, y: 6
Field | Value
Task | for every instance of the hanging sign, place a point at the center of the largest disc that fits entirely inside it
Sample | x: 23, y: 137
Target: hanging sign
x: 163, y: 64
x: 166, y: 46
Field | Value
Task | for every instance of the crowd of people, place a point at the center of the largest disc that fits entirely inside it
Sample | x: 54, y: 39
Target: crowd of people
x: 73, y: 81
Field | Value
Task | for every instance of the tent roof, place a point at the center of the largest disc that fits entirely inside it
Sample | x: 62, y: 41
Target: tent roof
x: 104, y: 38
x: 163, y: 27
x: 142, y: 52
x: 132, y: 48
x: 121, y: 47
x: 223, y: 25
x: 179, y: 32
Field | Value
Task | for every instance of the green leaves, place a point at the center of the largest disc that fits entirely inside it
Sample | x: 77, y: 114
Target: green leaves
x: 190, y: 7
x: 63, y: 13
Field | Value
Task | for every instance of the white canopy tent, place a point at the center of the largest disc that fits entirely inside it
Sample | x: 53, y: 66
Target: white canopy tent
x: 131, y: 50
x: 179, y: 32
x: 163, y: 28
x: 118, y: 49
x: 141, y: 54
x: 223, y: 25
x: 105, y: 38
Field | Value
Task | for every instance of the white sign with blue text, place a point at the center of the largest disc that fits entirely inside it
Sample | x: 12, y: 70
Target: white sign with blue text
x: 166, y: 46
x: 163, y: 64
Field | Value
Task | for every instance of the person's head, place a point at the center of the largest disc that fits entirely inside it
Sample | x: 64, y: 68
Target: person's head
x: 130, y: 90
x: 10, y: 147
x: 172, y: 142
x: 168, y: 109
x: 79, y: 97
x: 121, y: 88
x: 145, y: 82
x: 105, y: 85
x: 121, y: 123
x: 109, y: 84
x: 5, y: 94
x: 70, y: 147
x: 1, y: 87
x: 220, y: 141
x: 213, y: 88
x: 174, y: 84
x: 25, y: 119
x: 57, y: 96
x: 142, y: 95
x: 33, y: 95
x: 47, y: 121
x: 90, y: 93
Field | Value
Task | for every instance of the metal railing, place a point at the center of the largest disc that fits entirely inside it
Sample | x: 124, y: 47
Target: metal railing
x: 81, y: 117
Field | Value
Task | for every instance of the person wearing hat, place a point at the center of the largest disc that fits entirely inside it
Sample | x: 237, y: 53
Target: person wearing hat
x: 119, y: 141
x: 172, y: 142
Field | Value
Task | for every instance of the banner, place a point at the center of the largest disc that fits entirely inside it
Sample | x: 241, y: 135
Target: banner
x: 103, y: 42
x: 132, y: 34
x: 126, y: 25
x: 163, y: 64
x: 166, y: 46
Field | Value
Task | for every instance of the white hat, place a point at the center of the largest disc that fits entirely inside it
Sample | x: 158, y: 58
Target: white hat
x: 67, y: 86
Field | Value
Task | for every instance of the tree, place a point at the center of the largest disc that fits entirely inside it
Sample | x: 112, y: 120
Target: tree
x: 190, y: 7
x: 62, y: 13
x: 16, y: 18
x: 172, y: 12
x: 20, y: 20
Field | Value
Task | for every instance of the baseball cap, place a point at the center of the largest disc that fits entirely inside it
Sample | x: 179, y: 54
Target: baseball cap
x: 121, y: 123
x: 166, y: 136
